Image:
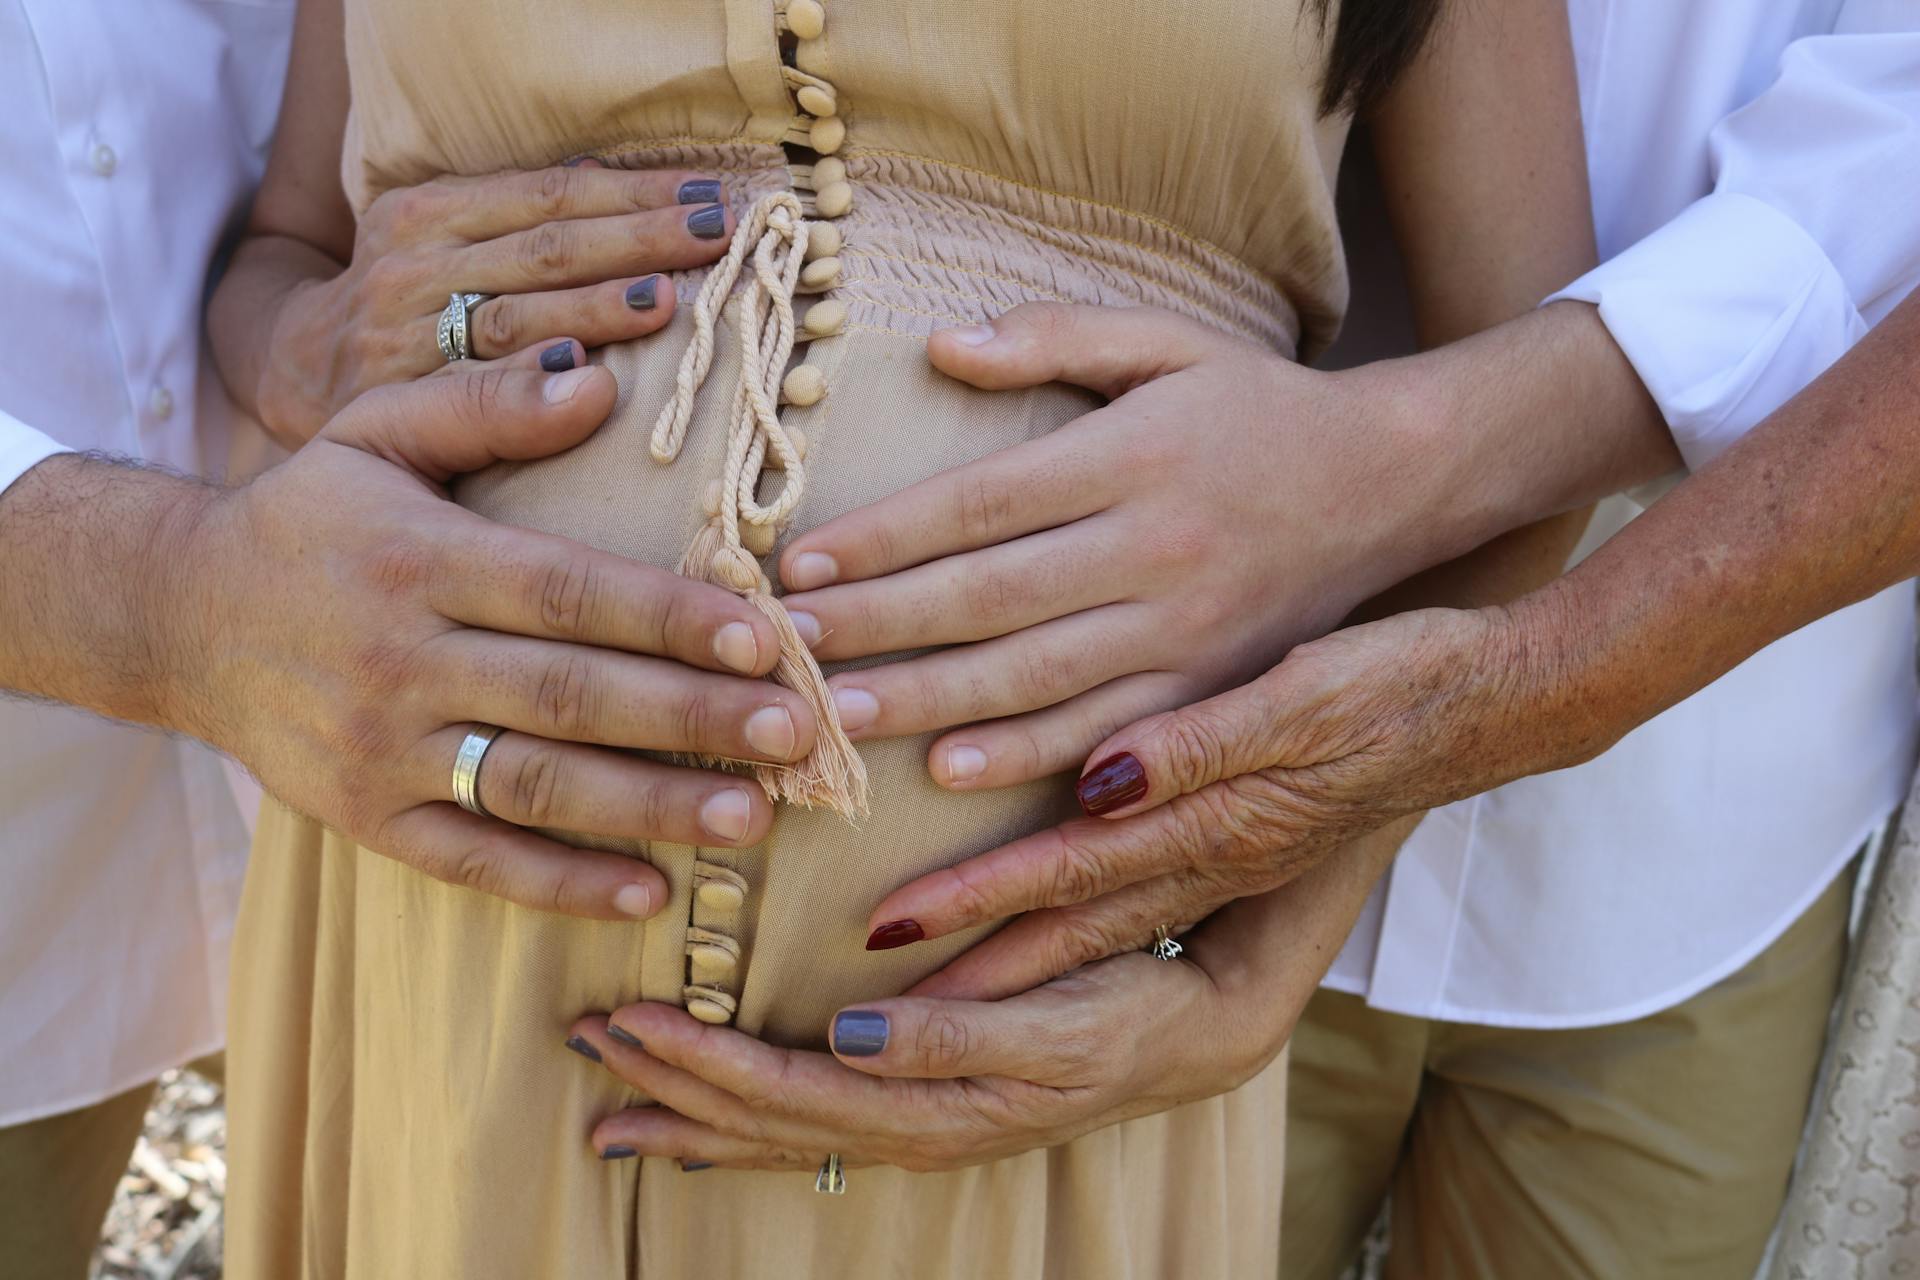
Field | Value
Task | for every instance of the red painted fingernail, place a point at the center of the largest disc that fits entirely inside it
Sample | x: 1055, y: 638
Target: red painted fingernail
x: 895, y: 933
x: 1114, y: 783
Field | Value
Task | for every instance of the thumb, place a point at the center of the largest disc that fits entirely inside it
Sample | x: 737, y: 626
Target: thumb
x: 441, y: 427
x: 1178, y: 752
x: 1110, y: 350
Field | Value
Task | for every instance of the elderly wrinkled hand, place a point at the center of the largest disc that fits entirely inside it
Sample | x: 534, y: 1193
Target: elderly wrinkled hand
x: 940, y: 1083
x: 1232, y: 796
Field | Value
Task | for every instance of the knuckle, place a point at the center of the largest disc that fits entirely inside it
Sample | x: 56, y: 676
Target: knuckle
x: 1080, y: 939
x: 495, y: 324
x: 535, y: 787
x: 982, y: 507
x: 475, y: 866
x: 1194, y: 743
x: 482, y: 394
x: 567, y: 694
x: 943, y: 1040
x: 553, y: 193
x: 1076, y: 874
x: 547, y: 250
x: 566, y: 591
x: 696, y: 719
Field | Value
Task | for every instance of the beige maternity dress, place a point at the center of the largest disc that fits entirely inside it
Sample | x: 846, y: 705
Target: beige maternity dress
x: 401, y: 1102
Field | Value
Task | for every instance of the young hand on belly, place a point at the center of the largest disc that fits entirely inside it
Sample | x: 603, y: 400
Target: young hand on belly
x: 1226, y: 505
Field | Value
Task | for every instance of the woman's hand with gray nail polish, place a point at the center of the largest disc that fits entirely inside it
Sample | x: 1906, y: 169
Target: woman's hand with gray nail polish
x: 570, y: 253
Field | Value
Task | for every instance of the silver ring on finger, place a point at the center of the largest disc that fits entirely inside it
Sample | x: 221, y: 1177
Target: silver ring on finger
x: 454, y: 332
x: 1164, y: 947
x: 466, y: 767
x: 832, y: 1179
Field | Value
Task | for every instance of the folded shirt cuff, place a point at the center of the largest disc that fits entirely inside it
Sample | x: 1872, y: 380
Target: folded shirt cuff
x: 1726, y: 313
x: 21, y: 447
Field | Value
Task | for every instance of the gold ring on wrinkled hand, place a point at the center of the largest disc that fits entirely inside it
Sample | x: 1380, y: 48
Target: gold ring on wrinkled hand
x: 1164, y: 947
x: 831, y: 1179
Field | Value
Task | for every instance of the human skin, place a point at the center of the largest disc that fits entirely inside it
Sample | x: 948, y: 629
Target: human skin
x: 337, y: 625
x: 1188, y: 443
x: 317, y: 307
x: 1810, y: 512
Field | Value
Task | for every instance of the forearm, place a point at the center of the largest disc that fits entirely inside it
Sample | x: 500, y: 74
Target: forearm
x: 91, y: 597
x: 1813, y: 510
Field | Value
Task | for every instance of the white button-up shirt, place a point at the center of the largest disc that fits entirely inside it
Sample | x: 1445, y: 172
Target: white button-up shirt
x: 134, y: 134
x: 1756, y: 186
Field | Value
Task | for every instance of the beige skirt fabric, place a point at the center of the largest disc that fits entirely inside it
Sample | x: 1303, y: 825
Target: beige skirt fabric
x: 402, y: 1104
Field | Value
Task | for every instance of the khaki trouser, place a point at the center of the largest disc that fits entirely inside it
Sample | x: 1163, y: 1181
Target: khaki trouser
x: 57, y: 1178
x: 1648, y: 1150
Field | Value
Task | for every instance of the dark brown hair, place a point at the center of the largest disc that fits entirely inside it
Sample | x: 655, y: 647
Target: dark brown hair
x: 1373, y: 42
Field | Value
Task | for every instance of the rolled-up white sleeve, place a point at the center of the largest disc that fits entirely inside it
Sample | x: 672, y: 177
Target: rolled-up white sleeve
x: 22, y: 447
x: 1810, y: 235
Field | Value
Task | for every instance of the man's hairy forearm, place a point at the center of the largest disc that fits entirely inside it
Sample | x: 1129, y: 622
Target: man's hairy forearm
x: 93, y: 566
x: 1817, y: 508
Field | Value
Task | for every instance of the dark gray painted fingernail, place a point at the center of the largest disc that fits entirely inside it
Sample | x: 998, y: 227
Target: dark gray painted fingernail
x: 859, y: 1033
x: 618, y: 1152
x: 709, y: 223
x: 624, y: 1036
x: 695, y: 1166
x: 574, y: 163
x: 557, y: 359
x: 700, y: 191
x: 582, y: 1048
x: 640, y: 294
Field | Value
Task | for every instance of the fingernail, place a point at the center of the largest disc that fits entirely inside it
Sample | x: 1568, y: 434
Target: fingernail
x: 700, y: 191
x: 709, y: 223
x: 813, y: 569
x: 561, y: 386
x: 617, y: 1152
x: 558, y: 358
x: 736, y: 648
x: 574, y: 163
x: 895, y: 933
x: 725, y: 815
x: 1114, y: 783
x: 770, y: 732
x: 641, y: 293
x: 964, y: 764
x: 634, y: 900
x: 617, y: 1032
x: 695, y: 1166
x: 859, y: 1033
x: 974, y: 335
x: 807, y: 625
x: 582, y: 1048
x: 856, y: 708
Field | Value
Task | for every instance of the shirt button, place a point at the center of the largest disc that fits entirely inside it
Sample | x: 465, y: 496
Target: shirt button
x: 104, y: 161
x: 160, y: 403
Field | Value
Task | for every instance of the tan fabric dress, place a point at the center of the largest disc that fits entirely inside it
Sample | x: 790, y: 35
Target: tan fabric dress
x: 401, y: 1102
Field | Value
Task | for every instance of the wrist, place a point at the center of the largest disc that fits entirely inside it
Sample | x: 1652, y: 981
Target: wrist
x: 1565, y: 703
x: 181, y: 574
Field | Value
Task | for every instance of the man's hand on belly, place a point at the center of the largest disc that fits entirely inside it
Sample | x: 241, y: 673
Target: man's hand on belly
x: 342, y: 626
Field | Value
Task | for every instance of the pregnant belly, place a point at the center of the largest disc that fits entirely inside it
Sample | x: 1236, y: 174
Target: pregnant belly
x: 772, y: 938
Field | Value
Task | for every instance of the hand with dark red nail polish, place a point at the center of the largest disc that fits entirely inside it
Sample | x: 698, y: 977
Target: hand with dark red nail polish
x: 1113, y: 784
x: 895, y: 933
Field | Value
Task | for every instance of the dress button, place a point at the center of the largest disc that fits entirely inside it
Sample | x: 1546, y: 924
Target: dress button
x: 711, y: 964
x: 804, y: 385
x: 828, y: 170
x: 104, y: 161
x: 821, y: 273
x: 711, y: 1012
x: 826, y: 135
x: 806, y: 19
x: 719, y: 895
x: 160, y: 404
x: 833, y: 200
x: 816, y: 101
x: 824, y: 319
x: 758, y: 539
x: 823, y: 241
